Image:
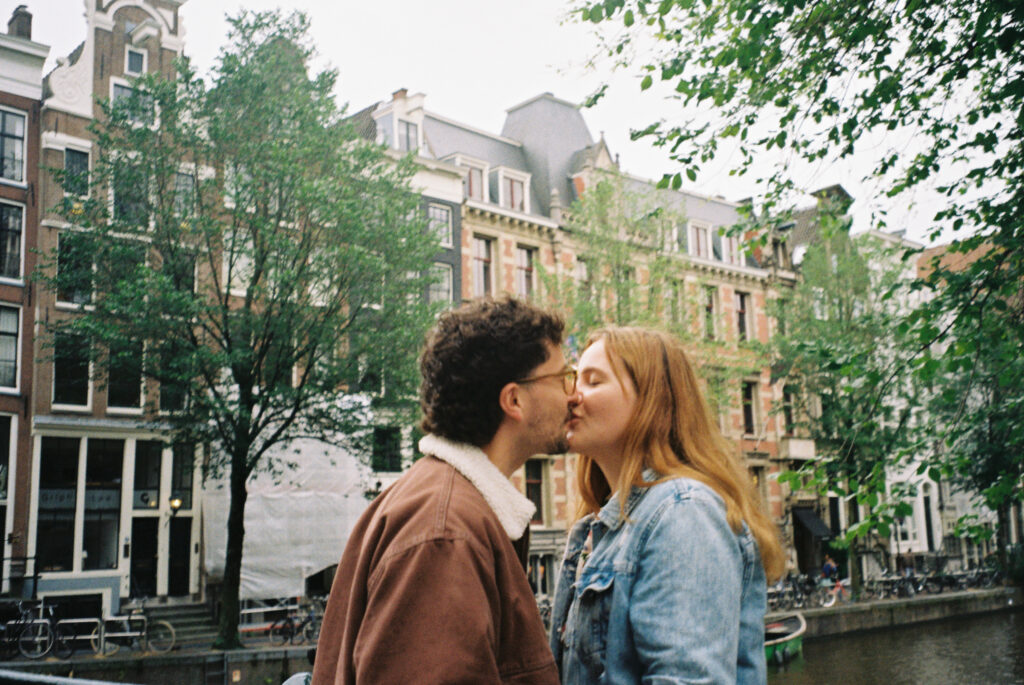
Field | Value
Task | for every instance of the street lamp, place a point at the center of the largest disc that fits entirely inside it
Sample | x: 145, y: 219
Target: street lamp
x: 175, y: 505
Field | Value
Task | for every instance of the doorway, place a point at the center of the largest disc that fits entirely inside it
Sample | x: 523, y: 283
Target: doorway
x: 143, y: 556
x: 179, y: 558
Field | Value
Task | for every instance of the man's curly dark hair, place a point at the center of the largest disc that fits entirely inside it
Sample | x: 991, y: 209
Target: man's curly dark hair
x: 471, y: 354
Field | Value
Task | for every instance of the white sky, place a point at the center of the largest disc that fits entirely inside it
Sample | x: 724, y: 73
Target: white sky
x: 473, y: 59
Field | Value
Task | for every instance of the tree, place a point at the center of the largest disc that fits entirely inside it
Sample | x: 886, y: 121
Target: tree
x: 845, y: 367
x: 977, y: 388
x: 931, y: 90
x: 258, y: 258
x: 632, y: 269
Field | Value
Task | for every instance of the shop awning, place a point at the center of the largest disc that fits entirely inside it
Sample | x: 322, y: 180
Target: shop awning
x: 814, y: 525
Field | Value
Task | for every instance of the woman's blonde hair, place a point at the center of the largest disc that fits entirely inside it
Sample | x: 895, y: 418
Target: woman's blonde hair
x: 671, y: 432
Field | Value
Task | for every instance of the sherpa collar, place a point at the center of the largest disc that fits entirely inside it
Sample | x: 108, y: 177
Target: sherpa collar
x: 512, y: 508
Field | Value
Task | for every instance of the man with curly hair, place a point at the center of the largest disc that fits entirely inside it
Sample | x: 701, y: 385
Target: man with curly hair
x: 432, y: 585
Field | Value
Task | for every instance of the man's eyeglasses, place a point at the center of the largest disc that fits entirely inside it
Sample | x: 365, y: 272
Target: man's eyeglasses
x: 568, y: 376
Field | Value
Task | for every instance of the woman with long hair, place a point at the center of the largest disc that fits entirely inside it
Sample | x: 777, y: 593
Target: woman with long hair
x: 664, y: 576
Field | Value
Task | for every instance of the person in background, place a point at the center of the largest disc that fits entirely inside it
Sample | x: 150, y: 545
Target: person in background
x: 829, y: 568
x: 673, y: 588
x: 432, y: 585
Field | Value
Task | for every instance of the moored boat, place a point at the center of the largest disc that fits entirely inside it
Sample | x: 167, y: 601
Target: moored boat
x: 783, y: 637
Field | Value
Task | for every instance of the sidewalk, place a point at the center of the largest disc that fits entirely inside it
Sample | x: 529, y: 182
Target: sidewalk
x: 885, y: 613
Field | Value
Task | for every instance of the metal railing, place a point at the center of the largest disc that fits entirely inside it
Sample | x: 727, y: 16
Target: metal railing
x: 13, y: 677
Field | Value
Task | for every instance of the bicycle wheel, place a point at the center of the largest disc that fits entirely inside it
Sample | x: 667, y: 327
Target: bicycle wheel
x: 828, y: 599
x: 281, y: 631
x: 110, y: 646
x: 311, y: 631
x: 159, y: 637
x: 63, y: 641
x: 35, y: 640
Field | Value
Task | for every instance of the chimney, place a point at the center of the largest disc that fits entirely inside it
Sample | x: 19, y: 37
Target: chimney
x: 399, y: 94
x: 556, y: 206
x: 20, y: 25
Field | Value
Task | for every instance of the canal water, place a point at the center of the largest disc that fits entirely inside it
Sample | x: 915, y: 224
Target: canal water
x: 979, y: 649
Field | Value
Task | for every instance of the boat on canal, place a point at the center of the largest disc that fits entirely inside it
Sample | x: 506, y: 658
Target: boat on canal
x: 783, y: 637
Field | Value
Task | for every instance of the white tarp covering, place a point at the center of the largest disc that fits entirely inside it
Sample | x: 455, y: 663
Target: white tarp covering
x: 295, y: 525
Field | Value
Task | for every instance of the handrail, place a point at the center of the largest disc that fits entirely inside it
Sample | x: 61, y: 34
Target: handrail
x: 13, y: 677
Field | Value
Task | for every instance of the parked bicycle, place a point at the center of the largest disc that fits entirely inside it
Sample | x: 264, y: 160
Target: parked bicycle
x: 133, y: 629
x: 290, y: 630
x: 831, y: 591
x: 26, y: 633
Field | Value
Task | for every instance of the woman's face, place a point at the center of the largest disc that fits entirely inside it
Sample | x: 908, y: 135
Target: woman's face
x: 601, y: 410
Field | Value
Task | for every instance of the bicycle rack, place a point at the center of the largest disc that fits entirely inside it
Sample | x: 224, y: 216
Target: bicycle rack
x: 81, y: 621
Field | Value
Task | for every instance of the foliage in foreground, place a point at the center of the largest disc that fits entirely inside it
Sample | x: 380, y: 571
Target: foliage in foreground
x: 257, y: 258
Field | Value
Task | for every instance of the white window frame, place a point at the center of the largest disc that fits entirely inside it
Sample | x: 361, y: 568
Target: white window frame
x: 241, y: 274
x: 532, y: 253
x: 449, y: 279
x: 755, y: 413
x: 15, y: 389
x: 544, y: 508
x: 506, y: 174
x: 748, y: 302
x: 677, y: 237
x: 87, y: 151
x: 732, y: 253
x: 80, y: 408
x: 112, y: 194
x: 65, y: 304
x: 711, y: 292
x: 489, y: 287
x: 20, y: 279
x: 448, y: 237
x: 23, y: 183
x: 472, y: 164
x: 129, y: 411
x: 399, y: 131
x: 696, y: 228
x: 8, y: 494
x: 129, y: 48
x: 123, y: 83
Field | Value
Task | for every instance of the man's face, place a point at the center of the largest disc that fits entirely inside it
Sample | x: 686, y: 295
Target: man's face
x: 547, y: 405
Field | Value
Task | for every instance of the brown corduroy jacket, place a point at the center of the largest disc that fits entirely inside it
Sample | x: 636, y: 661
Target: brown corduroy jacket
x: 430, y: 589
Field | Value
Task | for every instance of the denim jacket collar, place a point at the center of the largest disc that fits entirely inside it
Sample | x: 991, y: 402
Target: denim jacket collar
x: 611, y: 513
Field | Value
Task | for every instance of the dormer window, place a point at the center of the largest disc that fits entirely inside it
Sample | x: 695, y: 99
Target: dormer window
x: 512, y: 190
x: 134, y: 62
x: 731, y: 251
x: 700, y: 240
x: 475, y: 183
x: 514, y: 194
x: 408, y: 136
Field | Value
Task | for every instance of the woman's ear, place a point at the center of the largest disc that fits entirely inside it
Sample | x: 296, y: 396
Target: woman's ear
x: 510, y: 401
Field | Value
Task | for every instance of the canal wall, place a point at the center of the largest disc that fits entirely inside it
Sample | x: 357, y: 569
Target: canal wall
x: 889, y: 613
x: 247, y: 666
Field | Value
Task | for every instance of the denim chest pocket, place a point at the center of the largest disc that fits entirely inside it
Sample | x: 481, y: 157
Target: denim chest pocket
x: 589, y: 616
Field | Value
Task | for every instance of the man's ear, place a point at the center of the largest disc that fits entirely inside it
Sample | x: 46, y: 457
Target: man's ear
x: 510, y: 401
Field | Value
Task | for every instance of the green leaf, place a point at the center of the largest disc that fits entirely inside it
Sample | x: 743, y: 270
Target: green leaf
x: 627, y: 19
x: 646, y: 82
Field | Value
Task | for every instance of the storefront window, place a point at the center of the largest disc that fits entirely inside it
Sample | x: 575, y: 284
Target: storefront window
x: 102, y: 503
x: 58, y: 483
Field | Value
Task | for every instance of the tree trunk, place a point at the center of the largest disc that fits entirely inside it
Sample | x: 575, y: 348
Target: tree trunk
x: 1002, y: 534
x: 852, y: 558
x: 227, y: 635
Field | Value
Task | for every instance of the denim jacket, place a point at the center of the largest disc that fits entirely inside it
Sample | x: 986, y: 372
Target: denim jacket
x: 668, y: 595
